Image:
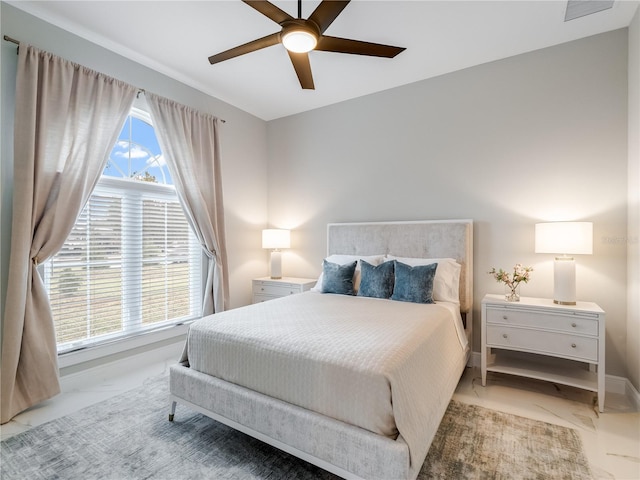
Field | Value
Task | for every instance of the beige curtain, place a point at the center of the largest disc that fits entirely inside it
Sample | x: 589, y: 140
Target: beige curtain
x: 66, y: 122
x: 189, y: 143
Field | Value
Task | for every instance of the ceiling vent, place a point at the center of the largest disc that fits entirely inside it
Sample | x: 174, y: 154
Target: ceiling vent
x: 580, y: 8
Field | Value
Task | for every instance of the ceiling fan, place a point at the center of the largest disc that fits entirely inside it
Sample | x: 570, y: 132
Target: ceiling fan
x: 300, y: 36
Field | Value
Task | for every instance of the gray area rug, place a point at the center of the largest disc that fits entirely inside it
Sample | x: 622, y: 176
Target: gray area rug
x: 129, y: 437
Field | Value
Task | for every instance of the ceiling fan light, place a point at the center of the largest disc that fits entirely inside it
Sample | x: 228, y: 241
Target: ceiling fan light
x: 299, y: 41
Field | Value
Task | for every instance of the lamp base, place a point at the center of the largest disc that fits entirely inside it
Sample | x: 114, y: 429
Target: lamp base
x: 276, y: 264
x: 560, y: 302
x: 564, y: 281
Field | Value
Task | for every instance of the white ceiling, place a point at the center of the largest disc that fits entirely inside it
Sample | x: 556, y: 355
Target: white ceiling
x: 176, y: 37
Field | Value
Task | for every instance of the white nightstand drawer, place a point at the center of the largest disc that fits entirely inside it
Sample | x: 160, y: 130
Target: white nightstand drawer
x: 571, y: 323
x: 264, y: 288
x: 557, y: 344
x: 257, y: 298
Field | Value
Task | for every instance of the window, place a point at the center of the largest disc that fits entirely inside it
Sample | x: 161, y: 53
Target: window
x: 131, y: 263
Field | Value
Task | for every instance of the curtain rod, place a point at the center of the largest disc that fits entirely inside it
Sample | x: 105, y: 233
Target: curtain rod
x: 12, y: 40
x: 140, y: 90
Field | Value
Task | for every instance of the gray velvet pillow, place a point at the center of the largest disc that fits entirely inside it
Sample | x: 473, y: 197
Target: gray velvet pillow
x: 376, y: 280
x: 338, y: 278
x: 414, y: 284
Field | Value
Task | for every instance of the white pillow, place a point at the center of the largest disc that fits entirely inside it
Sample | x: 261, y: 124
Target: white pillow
x: 343, y: 260
x: 446, y: 285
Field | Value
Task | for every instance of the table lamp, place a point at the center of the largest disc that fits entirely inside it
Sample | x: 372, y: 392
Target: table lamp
x: 564, y: 239
x: 275, y: 239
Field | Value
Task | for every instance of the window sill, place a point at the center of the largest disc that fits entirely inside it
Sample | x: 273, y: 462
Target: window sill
x: 79, y: 360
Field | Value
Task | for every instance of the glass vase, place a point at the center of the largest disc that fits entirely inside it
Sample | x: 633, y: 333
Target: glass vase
x: 512, y: 294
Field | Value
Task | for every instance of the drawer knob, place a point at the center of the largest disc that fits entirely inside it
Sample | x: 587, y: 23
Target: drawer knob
x: 573, y: 324
x: 262, y: 289
x: 504, y: 317
x: 504, y: 335
x: 573, y: 345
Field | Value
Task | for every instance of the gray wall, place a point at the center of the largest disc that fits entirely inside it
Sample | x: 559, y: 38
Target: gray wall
x: 535, y: 137
x: 633, y: 235
x: 243, y: 142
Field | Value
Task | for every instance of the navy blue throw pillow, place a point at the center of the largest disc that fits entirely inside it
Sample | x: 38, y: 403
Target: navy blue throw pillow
x: 376, y: 280
x: 338, y: 278
x: 414, y: 284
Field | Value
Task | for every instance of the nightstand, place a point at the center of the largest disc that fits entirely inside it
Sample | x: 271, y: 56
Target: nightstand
x: 541, y: 332
x: 267, y: 288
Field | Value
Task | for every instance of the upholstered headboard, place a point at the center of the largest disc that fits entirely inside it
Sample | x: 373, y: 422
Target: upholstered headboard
x: 422, y: 239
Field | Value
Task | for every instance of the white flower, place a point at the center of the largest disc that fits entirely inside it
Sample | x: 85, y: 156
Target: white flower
x: 520, y: 274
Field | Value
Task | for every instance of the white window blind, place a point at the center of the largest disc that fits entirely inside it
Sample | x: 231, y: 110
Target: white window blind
x: 131, y: 264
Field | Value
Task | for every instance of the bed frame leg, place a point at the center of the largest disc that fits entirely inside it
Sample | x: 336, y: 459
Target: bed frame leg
x: 173, y: 411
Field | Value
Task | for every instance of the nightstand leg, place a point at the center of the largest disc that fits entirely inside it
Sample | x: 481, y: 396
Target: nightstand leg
x: 601, y: 388
x: 483, y: 365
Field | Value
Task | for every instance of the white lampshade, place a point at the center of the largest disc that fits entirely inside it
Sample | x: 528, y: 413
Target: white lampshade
x: 276, y: 238
x: 564, y: 239
x: 569, y: 238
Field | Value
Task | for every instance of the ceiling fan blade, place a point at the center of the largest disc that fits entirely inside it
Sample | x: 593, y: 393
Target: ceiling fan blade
x: 258, y: 44
x: 269, y: 10
x: 303, y: 69
x: 326, y: 13
x: 345, y: 45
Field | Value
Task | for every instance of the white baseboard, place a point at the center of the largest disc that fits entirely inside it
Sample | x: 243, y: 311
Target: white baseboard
x: 613, y: 384
x: 632, y: 394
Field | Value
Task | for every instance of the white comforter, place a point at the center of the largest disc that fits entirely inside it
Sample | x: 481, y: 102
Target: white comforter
x: 388, y: 367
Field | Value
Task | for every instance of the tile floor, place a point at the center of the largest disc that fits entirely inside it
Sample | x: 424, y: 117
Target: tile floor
x: 611, y: 439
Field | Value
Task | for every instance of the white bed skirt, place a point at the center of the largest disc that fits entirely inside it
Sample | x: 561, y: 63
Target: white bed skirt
x: 348, y: 451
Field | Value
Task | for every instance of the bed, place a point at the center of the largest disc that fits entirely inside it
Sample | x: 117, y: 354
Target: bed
x: 353, y: 384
